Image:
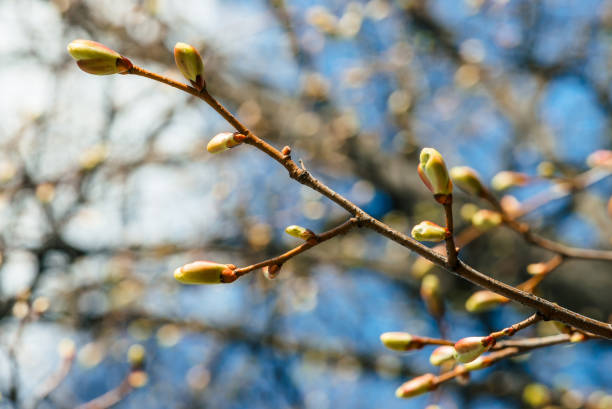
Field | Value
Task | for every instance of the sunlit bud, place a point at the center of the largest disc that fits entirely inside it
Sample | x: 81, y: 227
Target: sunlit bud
x: 299, y: 232
x: 485, y: 219
x: 577, y: 337
x: 442, y: 354
x: 205, y: 272
x: 467, y: 179
x: 190, y: 64
x: 224, y: 141
x: 537, y: 268
x: 401, y: 341
x: 432, y: 171
x: 430, y: 293
x: 96, y: 58
x: 136, y: 355
x: 470, y: 348
x: 416, y: 386
x: 421, y: 266
x: 476, y: 364
x: 600, y: 158
x: 428, y: 231
x: 271, y: 272
x: 546, y: 169
x: 483, y: 301
x: 286, y: 151
x: 507, y: 179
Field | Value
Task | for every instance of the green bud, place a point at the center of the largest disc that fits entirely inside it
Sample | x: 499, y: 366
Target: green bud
x: 433, y: 173
x: 299, y: 232
x: 416, y: 386
x: 467, y: 179
x: 205, y: 272
x: 442, y: 354
x: 190, y: 64
x: 470, y: 348
x: 478, y: 363
x: 224, y: 141
x: 428, y: 231
x: 400, y: 341
x: 98, y: 59
x: 483, y: 301
x: 485, y: 219
x: 507, y: 179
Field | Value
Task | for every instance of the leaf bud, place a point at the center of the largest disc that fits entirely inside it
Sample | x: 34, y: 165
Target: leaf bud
x: 205, y: 272
x: 442, y: 354
x: 224, y: 141
x: 98, y: 59
x: 478, y: 363
x: 507, y: 179
x: 401, y: 341
x: 467, y: 179
x: 484, y: 300
x: 537, y: 268
x: 428, y: 231
x: 470, y: 348
x: 433, y: 173
x: 485, y: 219
x: 416, y: 386
x: 190, y: 64
x: 299, y: 232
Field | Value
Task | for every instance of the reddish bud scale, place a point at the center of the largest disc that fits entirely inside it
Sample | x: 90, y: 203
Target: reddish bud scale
x: 271, y: 272
x: 286, y: 151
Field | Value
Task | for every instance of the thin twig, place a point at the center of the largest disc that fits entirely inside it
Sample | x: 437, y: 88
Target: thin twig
x: 548, y: 309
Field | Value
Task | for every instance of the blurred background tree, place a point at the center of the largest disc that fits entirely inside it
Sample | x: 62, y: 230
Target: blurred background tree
x: 107, y: 187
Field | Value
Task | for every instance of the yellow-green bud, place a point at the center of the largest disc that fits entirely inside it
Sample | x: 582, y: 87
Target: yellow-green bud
x: 136, y: 355
x: 485, y: 219
x: 507, y: 179
x: 428, y: 231
x: 433, y: 173
x: 190, y: 64
x: 416, y: 386
x: 442, y: 354
x: 400, y: 341
x: 600, y: 158
x: 467, y: 179
x: 483, y: 301
x: 476, y: 364
x: 205, y: 272
x: 470, y: 348
x: 299, y: 232
x: 98, y: 59
x: 224, y: 141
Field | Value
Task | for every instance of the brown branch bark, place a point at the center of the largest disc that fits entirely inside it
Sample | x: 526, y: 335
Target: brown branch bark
x: 546, y: 308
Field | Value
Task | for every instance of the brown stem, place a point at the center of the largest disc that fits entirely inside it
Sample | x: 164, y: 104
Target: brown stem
x: 548, y: 309
x: 513, y: 329
x: 451, y: 249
